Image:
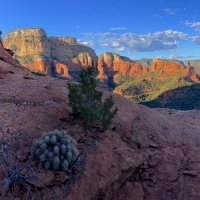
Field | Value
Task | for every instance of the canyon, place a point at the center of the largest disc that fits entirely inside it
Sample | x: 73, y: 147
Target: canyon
x: 63, y: 57
x: 59, y: 55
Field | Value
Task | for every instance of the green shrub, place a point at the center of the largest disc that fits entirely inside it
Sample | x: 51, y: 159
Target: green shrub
x: 55, y: 151
x: 86, y: 101
x: 137, y: 141
x: 148, y: 86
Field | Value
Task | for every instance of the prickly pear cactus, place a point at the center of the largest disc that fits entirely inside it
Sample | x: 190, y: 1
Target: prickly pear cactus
x: 55, y: 151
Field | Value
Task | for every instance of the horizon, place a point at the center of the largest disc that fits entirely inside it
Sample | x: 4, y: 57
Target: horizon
x: 163, y: 30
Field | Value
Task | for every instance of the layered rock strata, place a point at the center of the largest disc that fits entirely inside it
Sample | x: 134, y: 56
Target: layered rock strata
x: 111, y: 64
x: 167, y: 66
x: 36, y: 51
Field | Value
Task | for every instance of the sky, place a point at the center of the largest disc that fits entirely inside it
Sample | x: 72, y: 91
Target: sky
x: 166, y: 29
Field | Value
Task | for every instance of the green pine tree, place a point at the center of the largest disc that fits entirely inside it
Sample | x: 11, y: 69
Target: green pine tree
x: 86, y: 101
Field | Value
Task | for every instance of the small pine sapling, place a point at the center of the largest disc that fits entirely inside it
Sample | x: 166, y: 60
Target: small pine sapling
x: 86, y: 101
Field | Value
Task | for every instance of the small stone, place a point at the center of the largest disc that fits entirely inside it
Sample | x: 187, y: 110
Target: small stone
x: 190, y: 173
x: 27, y: 76
x: 145, y: 176
x: 82, y: 139
x: 150, y: 184
x: 144, y: 185
x: 150, y: 136
x: 152, y: 163
x: 150, y: 171
x: 12, y: 72
x: 3, y: 70
x: 63, y: 114
x: 48, y: 87
x: 48, y: 178
x: 154, y: 145
x: 169, y: 188
x: 153, y: 180
x: 145, y: 165
x: 2, y: 76
x: 113, y: 127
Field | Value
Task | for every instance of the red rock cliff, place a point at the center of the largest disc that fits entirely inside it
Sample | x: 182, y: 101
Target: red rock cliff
x: 168, y: 66
x: 111, y: 64
x: 36, y: 51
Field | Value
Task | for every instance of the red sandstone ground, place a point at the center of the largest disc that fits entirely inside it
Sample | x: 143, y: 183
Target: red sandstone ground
x: 165, y: 167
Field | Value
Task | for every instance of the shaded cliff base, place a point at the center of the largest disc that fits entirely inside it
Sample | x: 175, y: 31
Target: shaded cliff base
x: 183, y: 98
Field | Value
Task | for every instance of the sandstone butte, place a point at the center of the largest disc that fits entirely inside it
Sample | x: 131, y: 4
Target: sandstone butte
x: 36, y: 51
x: 147, y: 153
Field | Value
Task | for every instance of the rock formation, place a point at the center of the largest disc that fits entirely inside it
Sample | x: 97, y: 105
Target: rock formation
x: 190, y: 75
x: 149, y: 83
x: 61, y: 70
x: 36, y: 51
x: 111, y: 64
x: 167, y: 66
x: 193, y: 63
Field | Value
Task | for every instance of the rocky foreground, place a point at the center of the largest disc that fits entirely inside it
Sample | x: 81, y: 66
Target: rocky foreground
x: 146, y: 155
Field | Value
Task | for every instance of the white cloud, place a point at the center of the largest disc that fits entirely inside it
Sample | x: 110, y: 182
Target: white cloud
x: 120, y: 49
x: 180, y: 56
x: 89, y: 43
x: 91, y: 34
x: 195, y: 25
x: 156, y: 16
x: 161, y: 57
x: 166, y: 40
x: 77, y: 26
x: 118, y: 28
x: 115, y: 44
x: 195, y: 39
x: 170, y: 11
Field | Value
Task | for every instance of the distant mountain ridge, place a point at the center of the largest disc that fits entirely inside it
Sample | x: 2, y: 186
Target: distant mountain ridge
x: 144, y: 61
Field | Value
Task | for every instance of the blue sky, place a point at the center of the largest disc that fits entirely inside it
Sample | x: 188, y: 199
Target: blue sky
x: 133, y: 28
